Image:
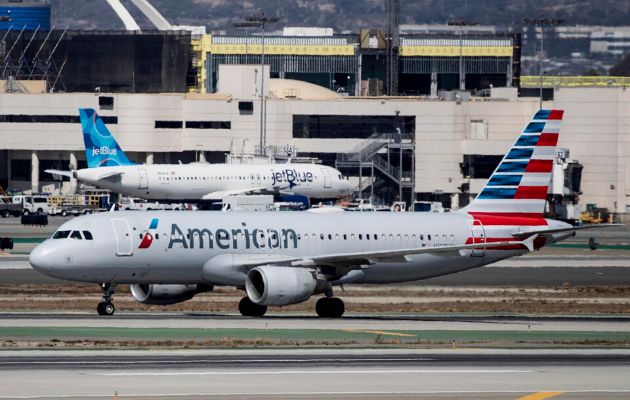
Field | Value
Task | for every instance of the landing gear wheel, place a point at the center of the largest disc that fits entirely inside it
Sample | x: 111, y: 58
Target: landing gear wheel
x: 248, y: 308
x: 105, y: 308
x: 330, y: 307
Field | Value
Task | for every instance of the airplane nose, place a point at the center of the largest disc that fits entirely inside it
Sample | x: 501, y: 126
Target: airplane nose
x: 41, y: 258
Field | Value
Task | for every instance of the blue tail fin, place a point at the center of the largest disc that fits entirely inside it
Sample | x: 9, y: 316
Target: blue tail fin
x: 101, y: 149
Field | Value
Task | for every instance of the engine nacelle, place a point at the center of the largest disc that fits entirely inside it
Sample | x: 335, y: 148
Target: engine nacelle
x: 166, y: 294
x: 279, y: 286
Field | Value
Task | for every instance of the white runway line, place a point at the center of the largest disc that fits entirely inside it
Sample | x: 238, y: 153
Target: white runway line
x: 323, y: 372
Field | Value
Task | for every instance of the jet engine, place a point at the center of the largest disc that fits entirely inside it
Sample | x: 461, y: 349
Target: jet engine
x: 280, y: 286
x: 166, y: 294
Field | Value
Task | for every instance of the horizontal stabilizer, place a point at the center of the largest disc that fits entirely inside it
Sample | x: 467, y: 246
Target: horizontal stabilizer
x: 58, y: 173
x: 548, y: 232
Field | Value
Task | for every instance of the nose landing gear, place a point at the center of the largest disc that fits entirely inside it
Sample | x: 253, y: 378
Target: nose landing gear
x: 106, y: 307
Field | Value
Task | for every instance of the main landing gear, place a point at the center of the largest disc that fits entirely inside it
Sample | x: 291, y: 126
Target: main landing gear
x: 106, y: 307
x: 330, y: 307
x: 250, y: 309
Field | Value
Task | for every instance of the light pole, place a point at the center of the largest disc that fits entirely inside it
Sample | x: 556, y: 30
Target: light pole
x: 262, y: 20
x: 461, y: 23
x: 542, y: 22
x: 246, y: 25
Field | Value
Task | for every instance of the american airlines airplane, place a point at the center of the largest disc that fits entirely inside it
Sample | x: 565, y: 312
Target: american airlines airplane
x: 282, y: 258
x: 109, y: 168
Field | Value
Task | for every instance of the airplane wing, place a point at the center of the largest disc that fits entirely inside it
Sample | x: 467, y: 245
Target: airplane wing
x: 218, y: 195
x: 58, y: 173
x: 369, y: 257
x: 525, y: 235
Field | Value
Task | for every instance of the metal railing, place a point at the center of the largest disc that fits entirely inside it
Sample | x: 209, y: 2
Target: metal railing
x: 576, y: 81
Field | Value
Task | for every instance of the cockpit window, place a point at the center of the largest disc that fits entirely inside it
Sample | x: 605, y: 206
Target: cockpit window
x: 87, y: 235
x: 61, y: 235
x: 76, y: 235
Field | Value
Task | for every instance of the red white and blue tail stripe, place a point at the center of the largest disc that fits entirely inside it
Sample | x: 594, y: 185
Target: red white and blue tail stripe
x: 519, y: 185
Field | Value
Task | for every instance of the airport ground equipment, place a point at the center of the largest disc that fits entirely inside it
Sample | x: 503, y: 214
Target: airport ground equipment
x: 8, y: 208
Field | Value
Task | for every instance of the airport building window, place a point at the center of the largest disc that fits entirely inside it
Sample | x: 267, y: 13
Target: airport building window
x: 21, y: 170
x: 349, y: 126
x: 168, y: 124
x: 208, y: 125
x: 49, y: 119
x: 106, y: 102
x: 479, y: 166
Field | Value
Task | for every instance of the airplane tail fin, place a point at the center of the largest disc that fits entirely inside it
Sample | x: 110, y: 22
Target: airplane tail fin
x: 101, y: 148
x: 518, y: 186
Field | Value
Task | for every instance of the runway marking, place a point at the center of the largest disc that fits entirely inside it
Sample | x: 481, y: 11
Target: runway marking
x: 540, y: 396
x: 323, y: 372
x: 379, y: 332
x: 332, y: 393
x: 211, y: 361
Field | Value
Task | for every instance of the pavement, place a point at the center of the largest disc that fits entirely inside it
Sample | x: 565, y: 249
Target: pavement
x: 317, y: 374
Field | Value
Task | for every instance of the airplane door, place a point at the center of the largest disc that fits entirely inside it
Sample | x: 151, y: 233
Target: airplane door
x: 479, y: 236
x: 327, y: 179
x: 143, y: 181
x: 122, y: 232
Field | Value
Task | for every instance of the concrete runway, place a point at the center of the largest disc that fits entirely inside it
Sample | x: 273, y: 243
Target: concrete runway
x: 356, y: 322
x: 317, y: 374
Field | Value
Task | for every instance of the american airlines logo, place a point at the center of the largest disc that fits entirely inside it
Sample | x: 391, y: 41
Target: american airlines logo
x: 103, y: 150
x: 235, y: 238
x: 291, y: 176
x: 147, y: 238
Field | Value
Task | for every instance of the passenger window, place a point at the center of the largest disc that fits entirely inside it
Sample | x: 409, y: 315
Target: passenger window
x: 391, y: 237
x: 429, y: 237
x: 321, y: 236
x: 345, y: 237
x: 452, y: 239
x: 375, y: 236
x: 87, y: 235
x: 329, y: 236
x: 157, y: 236
x: 444, y: 238
x: 398, y: 237
x: 406, y: 237
x: 421, y: 237
x: 367, y: 236
x: 384, y: 237
x: 352, y: 236
x: 360, y: 237
x: 61, y: 235
x: 76, y: 235
x: 337, y: 237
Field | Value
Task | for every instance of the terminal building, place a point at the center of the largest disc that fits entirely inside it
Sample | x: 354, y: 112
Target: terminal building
x: 425, y: 118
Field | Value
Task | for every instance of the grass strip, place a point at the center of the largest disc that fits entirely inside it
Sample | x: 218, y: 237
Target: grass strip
x: 26, y: 333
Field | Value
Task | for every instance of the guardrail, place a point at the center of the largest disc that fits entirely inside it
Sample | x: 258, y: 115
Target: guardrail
x: 576, y: 81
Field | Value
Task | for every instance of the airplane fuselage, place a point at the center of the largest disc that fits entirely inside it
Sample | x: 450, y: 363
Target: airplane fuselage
x: 206, y: 247
x: 191, y: 182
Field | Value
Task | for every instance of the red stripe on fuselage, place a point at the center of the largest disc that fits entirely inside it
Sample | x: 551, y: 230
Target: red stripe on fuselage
x: 531, y: 192
x: 547, y: 139
x: 539, y: 166
x: 512, y: 219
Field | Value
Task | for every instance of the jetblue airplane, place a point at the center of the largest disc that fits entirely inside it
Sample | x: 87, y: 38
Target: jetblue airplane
x: 109, y: 168
x: 285, y: 258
